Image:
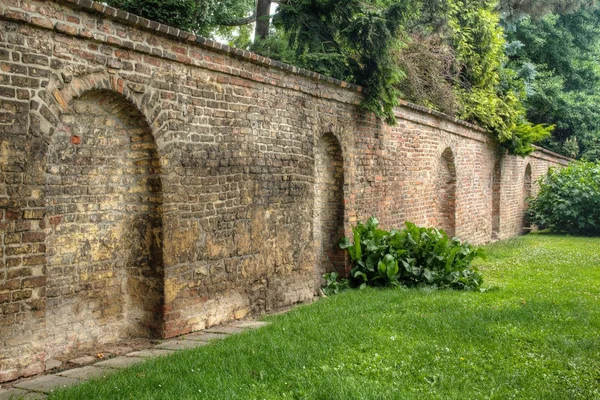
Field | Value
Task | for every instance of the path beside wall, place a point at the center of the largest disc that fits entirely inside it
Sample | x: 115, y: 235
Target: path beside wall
x: 153, y: 183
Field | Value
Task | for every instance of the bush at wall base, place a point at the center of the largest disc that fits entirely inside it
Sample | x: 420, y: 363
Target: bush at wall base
x: 413, y: 256
x: 569, y: 200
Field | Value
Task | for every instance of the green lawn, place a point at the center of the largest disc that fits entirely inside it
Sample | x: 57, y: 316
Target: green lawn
x: 535, y: 335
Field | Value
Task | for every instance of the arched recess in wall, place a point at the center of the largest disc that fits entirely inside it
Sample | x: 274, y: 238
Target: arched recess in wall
x: 446, y: 193
x: 496, y: 196
x: 527, y: 183
x: 329, y: 206
x: 104, y: 225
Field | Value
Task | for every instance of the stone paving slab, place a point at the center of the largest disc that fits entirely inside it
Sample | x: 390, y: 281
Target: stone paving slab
x: 18, y: 394
x: 12, y: 394
x: 119, y: 362
x: 250, y: 324
x: 85, y: 373
x: 34, y: 396
x: 205, y: 337
x: 180, y: 344
x: 46, y: 383
x: 85, y: 360
x: 225, y: 329
x: 149, y: 353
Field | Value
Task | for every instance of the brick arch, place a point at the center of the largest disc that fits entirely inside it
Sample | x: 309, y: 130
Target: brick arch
x: 329, y: 210
x: 445, y: 192
x: 526, y: 194
x: 51, y: 102
x: 104, y: 222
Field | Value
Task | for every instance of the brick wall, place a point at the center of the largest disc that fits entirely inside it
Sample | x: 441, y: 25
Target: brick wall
x: 156, y: 183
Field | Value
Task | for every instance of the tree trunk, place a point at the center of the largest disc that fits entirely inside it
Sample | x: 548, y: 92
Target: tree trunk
x: 263, y: 20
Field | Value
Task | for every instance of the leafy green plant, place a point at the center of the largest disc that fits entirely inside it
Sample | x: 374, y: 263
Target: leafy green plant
x: 490, y: 94
x: 569, y: 200
x: 351, y: 40
x: 334, y: 284
x: 413, y: 256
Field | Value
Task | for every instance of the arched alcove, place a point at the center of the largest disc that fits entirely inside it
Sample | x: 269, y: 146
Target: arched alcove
x: 104, y: 225
x: 496, y: 189
x: 526, y: 195
x: 329, y: 206
x: 446, y: 193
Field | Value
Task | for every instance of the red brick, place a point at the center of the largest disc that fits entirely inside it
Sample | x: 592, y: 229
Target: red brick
x: 34, y: 282
x: 42, y: 22
x: 12, y: 284
x: 21, y: 295
x: 34, y: 260
x: 33, y: 237
x: 65, y: 28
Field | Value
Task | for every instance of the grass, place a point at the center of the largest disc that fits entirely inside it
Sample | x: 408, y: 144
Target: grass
x: 536, y: 335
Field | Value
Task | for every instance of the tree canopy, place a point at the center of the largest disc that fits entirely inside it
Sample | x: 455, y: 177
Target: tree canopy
x: 558, y: 56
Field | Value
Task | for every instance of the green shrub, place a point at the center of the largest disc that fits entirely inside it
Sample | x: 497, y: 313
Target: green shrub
x: 413, y: 256
x: 569, y: 200
x: 334, y: 284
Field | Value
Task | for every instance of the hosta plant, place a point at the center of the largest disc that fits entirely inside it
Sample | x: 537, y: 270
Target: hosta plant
x: 413, y: 256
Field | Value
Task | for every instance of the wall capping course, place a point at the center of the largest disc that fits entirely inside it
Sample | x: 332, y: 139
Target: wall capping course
x: 539, y: 149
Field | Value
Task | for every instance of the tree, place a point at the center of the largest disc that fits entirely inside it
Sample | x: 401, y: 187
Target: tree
x: 203, y: 17
x: 351, y: 40
x: 263, y: 16
x: 189, y: 15
x: 559, y: 57
x: 517, y: 9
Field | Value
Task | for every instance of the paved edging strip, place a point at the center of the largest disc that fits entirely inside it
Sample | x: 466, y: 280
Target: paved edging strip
x: 39, y: 387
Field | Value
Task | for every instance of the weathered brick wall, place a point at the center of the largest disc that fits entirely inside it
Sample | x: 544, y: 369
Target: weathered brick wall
x: 155, y: 183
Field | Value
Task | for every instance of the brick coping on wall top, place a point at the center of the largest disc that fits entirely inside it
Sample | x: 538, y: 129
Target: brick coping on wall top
x: 552, y: 154
x: 180, y: 35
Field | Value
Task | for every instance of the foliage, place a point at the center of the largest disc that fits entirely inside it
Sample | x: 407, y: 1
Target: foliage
x: 447, y: 55
x: 412, y: 256
x: 188, y: 15
x: 569, y: 200
x: 490, y: 95
x: 199, y: 16
x: 443, y: 54
x: 431, y: 68
x: 515, y: 9
x: 334, y: 284
x: 563, y: 52
x: 351, y: 40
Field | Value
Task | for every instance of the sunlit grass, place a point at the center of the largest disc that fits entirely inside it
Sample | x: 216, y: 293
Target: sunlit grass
x: 535, y: 335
